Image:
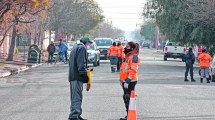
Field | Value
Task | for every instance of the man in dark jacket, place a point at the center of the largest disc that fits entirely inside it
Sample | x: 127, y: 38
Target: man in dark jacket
x: 51, y: 50
x: 78, y: 76
x: 189, y: 59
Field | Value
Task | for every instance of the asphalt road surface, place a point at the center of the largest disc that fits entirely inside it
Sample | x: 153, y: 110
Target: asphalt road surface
x: 43, y: 93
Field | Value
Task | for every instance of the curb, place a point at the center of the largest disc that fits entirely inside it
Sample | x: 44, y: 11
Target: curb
x: 21, y: 69
x: 8, y: 73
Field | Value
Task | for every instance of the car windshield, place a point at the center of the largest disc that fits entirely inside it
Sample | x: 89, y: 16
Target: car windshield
x: 91, y: 47
x: 70, y: 45
x: 103, y: 42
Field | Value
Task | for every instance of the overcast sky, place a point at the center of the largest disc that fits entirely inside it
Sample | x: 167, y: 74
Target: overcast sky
x: 124, y: 14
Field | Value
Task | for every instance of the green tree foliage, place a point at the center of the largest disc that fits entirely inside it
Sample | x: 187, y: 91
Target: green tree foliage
x: 185, y: 21
x: 148, y: 31
x: 75, y: 16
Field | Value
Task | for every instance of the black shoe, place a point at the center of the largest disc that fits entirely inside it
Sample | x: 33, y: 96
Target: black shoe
x: 125, y: 118
x: 80, y: 118
x: 208, y: 81
x: 117, y: 71
x: 193, y: 80
x: 201, y: 80
x: 73, y: 119
x: 186, y: 80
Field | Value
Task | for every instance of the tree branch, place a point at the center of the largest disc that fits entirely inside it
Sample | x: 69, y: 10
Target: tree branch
x: 5, y: 34
x: 6, y: 10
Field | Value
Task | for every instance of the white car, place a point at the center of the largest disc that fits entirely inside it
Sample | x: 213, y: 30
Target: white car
x: 174, y: 50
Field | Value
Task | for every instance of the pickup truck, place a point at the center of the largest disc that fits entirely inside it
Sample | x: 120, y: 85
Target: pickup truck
x: 174, y: 50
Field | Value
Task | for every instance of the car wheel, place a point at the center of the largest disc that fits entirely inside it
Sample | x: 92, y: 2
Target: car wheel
x: 183, y: 60
x: 95, y: 64
x: 165, y: 58
x: 213, y: 78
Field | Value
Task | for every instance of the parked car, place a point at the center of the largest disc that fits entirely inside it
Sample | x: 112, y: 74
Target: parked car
x: 93, y: 55
x: 70, y: 45
x: 174, y: 50
x: 145, y: 44
x: 103, y: 45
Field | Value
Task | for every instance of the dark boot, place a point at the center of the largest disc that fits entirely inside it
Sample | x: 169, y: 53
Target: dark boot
x: 201, y: 80
x: 192, y: 79
x: 73, y: 119
x: 125, y: 118
x: 80, y: 118
x: 112, y: 69
x: 208, y: 81
x: 185, y: 79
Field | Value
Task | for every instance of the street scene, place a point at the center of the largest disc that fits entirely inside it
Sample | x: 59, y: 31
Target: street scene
x: 43, y: 93
x: 107, y: 60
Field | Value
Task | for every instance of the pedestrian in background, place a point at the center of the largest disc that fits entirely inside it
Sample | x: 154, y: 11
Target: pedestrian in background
x: 63, y: 50
x: 189, y: 60
x: 120, y: 55
x: 51, y: 49
x: 128, y: 72
x: 113, y: 56
x: 204, y: 59
x: 78, y: 76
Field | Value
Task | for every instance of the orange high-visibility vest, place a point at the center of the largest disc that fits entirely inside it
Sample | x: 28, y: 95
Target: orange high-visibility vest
x: 121, y: 52
x: 205, y: 60
x: 113, y: 51
x: 129, y: 67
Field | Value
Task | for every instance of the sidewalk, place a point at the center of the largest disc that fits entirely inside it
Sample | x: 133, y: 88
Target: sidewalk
x: 8, y: 68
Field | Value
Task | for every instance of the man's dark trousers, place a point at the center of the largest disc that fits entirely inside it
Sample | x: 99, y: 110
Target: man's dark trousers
x: 50, y: 57
x: 189, y: 67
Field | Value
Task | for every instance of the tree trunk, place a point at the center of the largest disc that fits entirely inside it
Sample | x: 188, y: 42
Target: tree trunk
x: 50, y: 33
x: 12, y: 45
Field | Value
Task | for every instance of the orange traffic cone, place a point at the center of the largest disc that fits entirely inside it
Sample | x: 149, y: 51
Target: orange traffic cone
x: 132, y: 114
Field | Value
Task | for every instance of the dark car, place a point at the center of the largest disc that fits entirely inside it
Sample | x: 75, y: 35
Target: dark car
x: 103, y: 45
x: 145, y: 44
x: 93, y: 55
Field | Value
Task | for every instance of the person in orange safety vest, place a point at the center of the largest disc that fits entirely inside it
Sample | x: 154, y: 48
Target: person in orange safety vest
x: 120, y: 55
x: 113, y: 56
x: 205, y: 60
x: 128, y: 72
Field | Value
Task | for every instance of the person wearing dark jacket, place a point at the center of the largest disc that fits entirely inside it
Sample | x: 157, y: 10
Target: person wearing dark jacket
x: 51, y: 50
x: 78, y: 76
x: 189, y: 60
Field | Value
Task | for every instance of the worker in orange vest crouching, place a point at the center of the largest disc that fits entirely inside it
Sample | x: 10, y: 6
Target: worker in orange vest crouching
x: 113, y: 56
x: 128, y: 72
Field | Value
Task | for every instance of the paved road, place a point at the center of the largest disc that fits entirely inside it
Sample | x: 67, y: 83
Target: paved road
x: 43, y: 93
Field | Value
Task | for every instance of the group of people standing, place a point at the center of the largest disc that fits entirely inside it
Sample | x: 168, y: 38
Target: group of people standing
x: 62, y: 50
x: 115, y: 54
x: 204, y: 60
x: 127, y: 60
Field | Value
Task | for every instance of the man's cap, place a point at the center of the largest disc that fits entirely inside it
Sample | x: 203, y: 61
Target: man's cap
x: 85, y: 39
